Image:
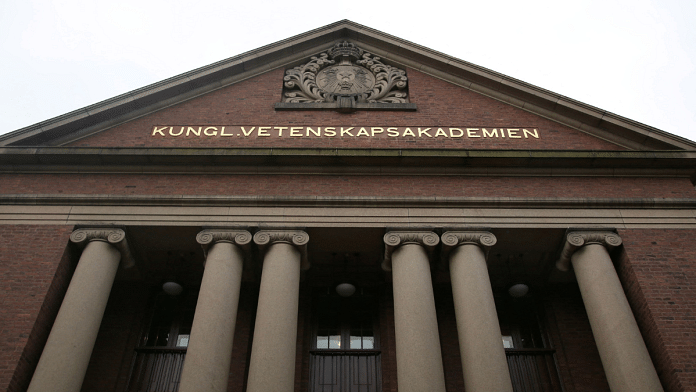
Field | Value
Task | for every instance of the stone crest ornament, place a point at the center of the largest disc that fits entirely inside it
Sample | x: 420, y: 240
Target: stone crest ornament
x: 346, y: 78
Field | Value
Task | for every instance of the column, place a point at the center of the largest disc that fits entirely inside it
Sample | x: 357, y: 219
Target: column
x: 209, y: 352
x: 65, y: 357
x: 272, y: 363
x: 625, y: 358
x: 480, y: 343
x: 418, y: 355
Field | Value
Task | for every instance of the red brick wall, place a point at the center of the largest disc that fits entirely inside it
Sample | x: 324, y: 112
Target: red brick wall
x: 308, y: 185
x: 440, y: 104
x: 36, y: 265
x: 118, y: 335
x: 658, y: 273
x: 570, y: 333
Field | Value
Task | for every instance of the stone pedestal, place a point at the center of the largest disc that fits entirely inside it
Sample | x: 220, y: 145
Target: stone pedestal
x: 480, y: 343
x: 418, y: 356
x: 272, y: 363
x: 65, y: 357
x: 209, y: 352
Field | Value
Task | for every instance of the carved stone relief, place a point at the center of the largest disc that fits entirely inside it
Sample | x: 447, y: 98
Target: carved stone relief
x: 345, y: 77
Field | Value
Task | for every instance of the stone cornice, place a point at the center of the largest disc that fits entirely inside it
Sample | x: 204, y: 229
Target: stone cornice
x: 481, y: 238
x: 208, y: 237
x: 343, y: 201
x: 576, y: 239
x: 296, y: 238
x: 113, y: 236
x: 198, y: 160
x: 395, y: 239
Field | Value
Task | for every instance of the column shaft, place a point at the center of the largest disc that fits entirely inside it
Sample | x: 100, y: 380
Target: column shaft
x: 272, y: 364
x: 483, y: 357
x: 418, y: 355
x: 209, y: 352
x: 64, y: 360
x: 625, y: 358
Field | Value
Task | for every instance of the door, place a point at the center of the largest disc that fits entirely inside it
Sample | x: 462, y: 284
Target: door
x: 345, y: 353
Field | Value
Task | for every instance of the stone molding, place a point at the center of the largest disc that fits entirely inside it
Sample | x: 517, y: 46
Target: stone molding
x: 113, y: 236
x: 208, y: 238
x: 577, y: 239
x: 296, y: 238
x: 394, y: 239
x: 484, y: 239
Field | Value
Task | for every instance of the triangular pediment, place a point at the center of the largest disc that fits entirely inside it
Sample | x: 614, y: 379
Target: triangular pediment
x: 585, y: 126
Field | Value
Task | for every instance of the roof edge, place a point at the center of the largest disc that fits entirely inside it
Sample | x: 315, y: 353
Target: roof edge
x: 576, y: 114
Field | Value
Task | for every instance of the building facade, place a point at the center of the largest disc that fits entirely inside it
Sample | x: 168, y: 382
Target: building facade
x: 346, y: 211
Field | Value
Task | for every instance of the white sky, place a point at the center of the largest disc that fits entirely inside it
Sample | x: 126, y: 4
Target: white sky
x: 635, y: 58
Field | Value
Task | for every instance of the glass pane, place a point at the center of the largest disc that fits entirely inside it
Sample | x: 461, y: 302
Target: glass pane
x: 335, y: 341
x: 507, y: 342
x: 355, y: 342
x: 322, y: 342
x: 368, y: 342
x: 182, y: 340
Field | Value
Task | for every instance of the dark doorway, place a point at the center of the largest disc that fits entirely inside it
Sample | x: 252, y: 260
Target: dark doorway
x: 345, y: 351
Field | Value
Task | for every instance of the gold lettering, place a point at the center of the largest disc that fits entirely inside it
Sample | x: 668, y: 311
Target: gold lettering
x: 295, y: 131
x: 425, y: 131
x: 317, y: 133
x: 280, y: 130
x: 346, y: 131
x: 248, y: 133
x: 363, y: 132
x: 154, y: 131
x: 408, y: 131
x: 171, y: 129
x: 535, y: 134
x: 392, y: 132
x: 376, y: 130
x: 512, y: 133
x: 440, y: 132
x: 330, y: 131
x: 502, y: 132
x: 263, y: 131
x: 194, y: 131
x: 222, y: 133
x: 205, y: 131
x: 493, y: 133
x: 461, y: 133
x: 471, y: 132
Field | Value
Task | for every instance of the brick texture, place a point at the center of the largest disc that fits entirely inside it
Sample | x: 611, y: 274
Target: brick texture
x: 659, y: 276
x: 336, y: 185
x: 36, y: 265
x: 440, y: 104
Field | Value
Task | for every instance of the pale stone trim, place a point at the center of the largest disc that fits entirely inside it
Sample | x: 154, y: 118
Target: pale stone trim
x: 365, y: 216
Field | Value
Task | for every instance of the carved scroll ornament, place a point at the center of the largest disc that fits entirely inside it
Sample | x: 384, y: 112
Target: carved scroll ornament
x: 114, y: 236
x: 345, y: 72
x: 394, y: 239
x: 296, y: 238
x: 578, y: 239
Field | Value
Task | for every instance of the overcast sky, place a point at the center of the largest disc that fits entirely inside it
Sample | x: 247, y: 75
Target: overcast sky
x: 634, y: 58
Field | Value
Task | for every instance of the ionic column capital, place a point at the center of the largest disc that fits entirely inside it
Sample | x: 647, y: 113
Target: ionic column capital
x: 394, y: 239
x: 296, y: 238
x: 113, y: 236
x: 577, y: 239
x: 209, y: 237
x: 484, y: 239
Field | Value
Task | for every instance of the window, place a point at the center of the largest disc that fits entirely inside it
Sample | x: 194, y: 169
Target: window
x: 345, y: 353
x: 530, y: 357
x: 162, y: 349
